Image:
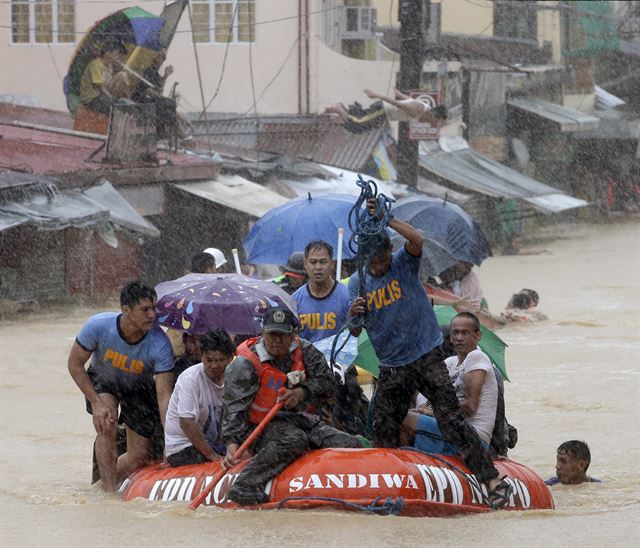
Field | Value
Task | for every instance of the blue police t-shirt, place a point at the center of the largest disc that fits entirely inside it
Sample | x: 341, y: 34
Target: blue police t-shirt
x: 401, y: 323
x: 321, y: 318
x: 117, y: 363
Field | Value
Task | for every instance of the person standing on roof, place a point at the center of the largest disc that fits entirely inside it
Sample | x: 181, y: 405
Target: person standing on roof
x: 405, y: 334
x: 294, y: 274
x: 277, y: 359
x: 323, y: 303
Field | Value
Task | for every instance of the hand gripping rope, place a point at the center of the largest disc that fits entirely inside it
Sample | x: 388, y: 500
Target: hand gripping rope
x: 365, y: 230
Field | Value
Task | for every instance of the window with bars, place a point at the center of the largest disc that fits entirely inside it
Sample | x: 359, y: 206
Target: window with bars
x: 515, y: 19
x: 43, y: 21
x: 222, y: 21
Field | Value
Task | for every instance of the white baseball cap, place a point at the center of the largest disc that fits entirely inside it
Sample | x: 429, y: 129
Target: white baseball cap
x: 217, y: 255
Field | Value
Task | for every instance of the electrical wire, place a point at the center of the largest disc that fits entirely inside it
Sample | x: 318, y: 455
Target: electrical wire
x: 226, y: 53
x: 214, y: 28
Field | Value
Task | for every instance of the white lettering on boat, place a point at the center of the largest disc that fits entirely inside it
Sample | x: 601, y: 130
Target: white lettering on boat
x: 352, y: 481
x: 441, y: 484
x: 173, y: 489
x: 520, y: 498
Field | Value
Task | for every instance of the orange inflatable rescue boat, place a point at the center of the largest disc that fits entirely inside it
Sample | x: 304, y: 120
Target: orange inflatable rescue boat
x: 387, y: 481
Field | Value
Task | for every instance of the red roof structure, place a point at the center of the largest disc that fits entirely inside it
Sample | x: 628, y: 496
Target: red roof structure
x: 68, y: 157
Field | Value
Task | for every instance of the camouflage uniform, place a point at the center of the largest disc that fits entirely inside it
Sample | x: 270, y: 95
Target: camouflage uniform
x: 289, y: 434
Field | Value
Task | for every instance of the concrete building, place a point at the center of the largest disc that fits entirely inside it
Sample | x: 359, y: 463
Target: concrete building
x: 287, y: 56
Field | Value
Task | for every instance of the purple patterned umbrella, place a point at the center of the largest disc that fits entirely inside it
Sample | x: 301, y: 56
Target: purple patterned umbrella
x: 197, y: 303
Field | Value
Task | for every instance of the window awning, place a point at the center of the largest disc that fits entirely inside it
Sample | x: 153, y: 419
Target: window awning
x: 567, y: 119
x: 237, y: 193
x: 604, y: 99
x: 47, y: 208
x: 614, y: 125
x: 468, y: 169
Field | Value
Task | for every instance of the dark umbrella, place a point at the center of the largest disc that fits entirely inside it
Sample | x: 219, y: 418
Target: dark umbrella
x: 288, y: 228
x: 435, y: 257
x: 447, y: 225
x: 197, y: 303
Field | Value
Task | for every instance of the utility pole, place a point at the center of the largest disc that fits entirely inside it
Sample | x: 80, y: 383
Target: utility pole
x: 414, y: 17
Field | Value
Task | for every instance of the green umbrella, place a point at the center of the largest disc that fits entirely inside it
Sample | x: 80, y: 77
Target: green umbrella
x: 492, y: 345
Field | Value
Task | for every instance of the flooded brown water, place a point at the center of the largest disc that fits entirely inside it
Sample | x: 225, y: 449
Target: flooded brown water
x: 575, y: 376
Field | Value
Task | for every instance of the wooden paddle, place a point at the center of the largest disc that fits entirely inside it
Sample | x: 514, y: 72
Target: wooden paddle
x: 247, y: 443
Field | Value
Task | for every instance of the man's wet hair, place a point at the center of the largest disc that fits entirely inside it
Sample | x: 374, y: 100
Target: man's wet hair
x: 471, y: 316
x: 521, y: 300
x: 533, y: 295
x: 217, y: 341
x: 201, y: 262
x: 577, y: 449
x: 377, y: 243
x: 318, y: 244
x: 439, y: 112
x: 134, y: 292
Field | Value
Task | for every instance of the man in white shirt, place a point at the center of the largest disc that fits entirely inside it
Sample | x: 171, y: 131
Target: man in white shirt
x: 192, y: 428
x: 476, y: 386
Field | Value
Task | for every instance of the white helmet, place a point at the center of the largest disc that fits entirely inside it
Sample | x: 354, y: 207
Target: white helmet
x: 217, y: 255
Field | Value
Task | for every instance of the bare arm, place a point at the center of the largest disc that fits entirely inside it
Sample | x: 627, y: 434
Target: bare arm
x: 413, y: 237
x: 473, y: 381
x: 102, y: 415
x: 196, y: 437
x: 164, y: 387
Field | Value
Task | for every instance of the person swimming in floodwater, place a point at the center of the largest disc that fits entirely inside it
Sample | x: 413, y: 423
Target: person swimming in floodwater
x: 572, y: 461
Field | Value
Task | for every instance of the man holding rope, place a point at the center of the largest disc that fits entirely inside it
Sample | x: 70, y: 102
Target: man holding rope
x: 404, y: 332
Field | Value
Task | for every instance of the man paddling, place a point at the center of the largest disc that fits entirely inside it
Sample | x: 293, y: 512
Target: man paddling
x: 126, y: 351
x: 262, y: 367
x: 404, y: 332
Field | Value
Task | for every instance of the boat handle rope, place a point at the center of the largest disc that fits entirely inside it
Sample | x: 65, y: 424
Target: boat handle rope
x: 390, y: 507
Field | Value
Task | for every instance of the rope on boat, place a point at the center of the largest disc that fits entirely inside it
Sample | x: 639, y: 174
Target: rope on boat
x: 390, y: 507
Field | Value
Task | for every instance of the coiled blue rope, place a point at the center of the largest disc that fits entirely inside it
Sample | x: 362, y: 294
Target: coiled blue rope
x: 390, y: 507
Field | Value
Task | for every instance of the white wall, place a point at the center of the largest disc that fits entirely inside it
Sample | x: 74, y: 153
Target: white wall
x: 37, y: 70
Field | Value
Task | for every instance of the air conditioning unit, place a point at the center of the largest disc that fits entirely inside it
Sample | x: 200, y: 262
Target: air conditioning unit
x: 357, y: 23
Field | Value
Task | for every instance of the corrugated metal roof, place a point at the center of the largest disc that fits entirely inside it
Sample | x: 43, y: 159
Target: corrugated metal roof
x: 473, y: 171
x: 237, y: 193
x: 47, y: 152
x: 318, y: 138
x: 567, y: 119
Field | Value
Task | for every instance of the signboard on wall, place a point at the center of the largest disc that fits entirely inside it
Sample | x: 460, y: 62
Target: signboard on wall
x: 422, y: 130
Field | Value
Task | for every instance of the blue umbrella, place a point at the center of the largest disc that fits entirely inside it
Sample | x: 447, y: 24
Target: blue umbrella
x: 290, y: 227
x: 447, y: 225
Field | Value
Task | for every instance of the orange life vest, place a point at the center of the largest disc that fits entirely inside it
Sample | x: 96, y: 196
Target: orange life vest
x: 271, y: 379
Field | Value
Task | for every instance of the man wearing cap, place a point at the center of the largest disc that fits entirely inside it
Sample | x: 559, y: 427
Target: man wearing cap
x: 293, y: 274
x: 264, y: 365
x: 323, y: 303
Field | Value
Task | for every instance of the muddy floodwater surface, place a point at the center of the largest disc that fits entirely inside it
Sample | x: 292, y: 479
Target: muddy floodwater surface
x: 574, y: 376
